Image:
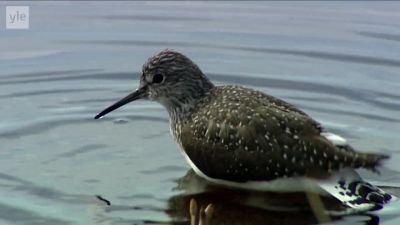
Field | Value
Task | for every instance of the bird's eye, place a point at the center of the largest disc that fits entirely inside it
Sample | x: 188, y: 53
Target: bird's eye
x: 158, y: 78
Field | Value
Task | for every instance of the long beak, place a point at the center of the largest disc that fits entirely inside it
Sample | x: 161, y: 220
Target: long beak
x: 129, y: 98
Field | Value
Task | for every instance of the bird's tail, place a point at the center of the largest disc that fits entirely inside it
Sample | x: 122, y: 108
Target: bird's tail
x: 369, y: 161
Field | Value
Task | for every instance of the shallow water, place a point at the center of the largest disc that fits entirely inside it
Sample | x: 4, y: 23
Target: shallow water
x: 337, y: 61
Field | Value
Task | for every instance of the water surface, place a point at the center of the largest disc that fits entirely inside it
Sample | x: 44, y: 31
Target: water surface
x: 338, y: 61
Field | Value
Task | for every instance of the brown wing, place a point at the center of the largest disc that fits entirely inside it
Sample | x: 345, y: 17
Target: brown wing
x: 246, y: 141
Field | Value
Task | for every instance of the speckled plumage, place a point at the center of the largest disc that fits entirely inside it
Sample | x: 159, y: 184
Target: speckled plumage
x: 236, y: 135
x: 239, y: 134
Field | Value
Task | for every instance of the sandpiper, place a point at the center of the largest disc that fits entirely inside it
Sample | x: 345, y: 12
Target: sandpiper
x: 237, y: 136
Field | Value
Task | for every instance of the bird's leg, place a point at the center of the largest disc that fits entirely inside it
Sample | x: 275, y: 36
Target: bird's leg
x: 317, y: 206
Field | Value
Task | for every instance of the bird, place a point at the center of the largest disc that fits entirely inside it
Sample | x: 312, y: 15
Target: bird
x: 243, y: 138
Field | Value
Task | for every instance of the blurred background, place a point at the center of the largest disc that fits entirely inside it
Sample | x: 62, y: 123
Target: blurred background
x: 337, y: 61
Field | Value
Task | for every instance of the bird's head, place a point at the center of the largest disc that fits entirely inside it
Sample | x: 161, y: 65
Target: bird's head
x: 169, y: 78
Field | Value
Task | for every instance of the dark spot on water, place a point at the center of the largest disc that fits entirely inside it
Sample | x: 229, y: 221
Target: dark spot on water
x: 120, y: 121
x: 103, y: 199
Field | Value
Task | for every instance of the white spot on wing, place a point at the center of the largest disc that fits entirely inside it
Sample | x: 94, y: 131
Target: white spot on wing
x: 335, y: 139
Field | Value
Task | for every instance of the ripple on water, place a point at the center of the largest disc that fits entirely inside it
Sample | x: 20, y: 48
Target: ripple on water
x: 339, y: 57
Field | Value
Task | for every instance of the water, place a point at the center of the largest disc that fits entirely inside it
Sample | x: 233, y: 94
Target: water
x: 338, y: 61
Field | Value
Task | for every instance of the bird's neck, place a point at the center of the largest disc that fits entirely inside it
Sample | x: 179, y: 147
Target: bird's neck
x: 181, y: 107
x: 180, y: 113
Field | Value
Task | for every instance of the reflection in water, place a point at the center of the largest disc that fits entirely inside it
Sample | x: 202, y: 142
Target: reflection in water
x: 232, y: 206
x: 202, y: 203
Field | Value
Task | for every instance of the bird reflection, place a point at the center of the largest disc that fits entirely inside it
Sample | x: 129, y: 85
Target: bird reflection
x: 202, y: 203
